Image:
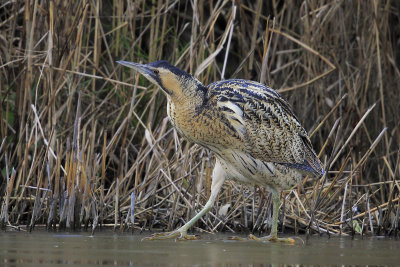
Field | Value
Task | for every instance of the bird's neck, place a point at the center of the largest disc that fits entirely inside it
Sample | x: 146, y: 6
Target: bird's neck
x: 190, y: 97
x: 183, y: 108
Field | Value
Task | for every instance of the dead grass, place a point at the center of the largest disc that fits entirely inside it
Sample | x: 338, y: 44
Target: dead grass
x: 85, y: 143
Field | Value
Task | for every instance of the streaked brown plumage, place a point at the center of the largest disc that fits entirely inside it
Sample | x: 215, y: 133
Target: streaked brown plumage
x: 252, y: 130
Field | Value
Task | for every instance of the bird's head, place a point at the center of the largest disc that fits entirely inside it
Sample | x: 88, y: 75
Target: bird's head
x: 176, y: 83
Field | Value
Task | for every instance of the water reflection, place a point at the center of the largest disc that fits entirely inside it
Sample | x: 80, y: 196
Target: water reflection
x: 109, y: 249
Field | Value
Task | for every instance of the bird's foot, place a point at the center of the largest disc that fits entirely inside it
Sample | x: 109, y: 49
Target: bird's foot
x: 179, y: 235
x: 272, y: 238
x: 238, y: 238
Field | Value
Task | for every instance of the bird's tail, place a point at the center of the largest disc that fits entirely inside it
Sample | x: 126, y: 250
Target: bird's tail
x: 314, y: 163
x: 311, y: 159
x: 311, y: 165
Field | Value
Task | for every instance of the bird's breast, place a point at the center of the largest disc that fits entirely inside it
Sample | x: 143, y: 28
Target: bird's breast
x: 203, y: 126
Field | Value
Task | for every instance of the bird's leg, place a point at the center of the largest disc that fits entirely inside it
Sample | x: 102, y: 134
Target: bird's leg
x: 273, y: 236
x: 181, y: 233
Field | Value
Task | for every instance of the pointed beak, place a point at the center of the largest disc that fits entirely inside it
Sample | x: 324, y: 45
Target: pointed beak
x: 143, y: 69
x: 147, y: 71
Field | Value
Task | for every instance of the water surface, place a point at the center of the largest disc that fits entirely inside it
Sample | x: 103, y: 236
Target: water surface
x: 110, y: 249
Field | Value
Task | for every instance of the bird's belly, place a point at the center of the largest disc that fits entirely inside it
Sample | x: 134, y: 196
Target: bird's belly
x: 245, y: 169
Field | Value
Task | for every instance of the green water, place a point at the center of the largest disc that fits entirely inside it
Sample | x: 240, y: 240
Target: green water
x: 109, y: 249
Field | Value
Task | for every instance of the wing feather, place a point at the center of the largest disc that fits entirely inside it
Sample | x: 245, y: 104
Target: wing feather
x: 265, y: 124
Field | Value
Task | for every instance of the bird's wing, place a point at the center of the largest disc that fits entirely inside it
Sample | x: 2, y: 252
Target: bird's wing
x: 265, y: 123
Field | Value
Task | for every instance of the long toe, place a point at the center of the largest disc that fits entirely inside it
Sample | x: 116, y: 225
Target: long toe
x: 162, y: 236
x: 272, y: 238
x: 186, y: 237
x: 179, y: 235
x: 238, y: 238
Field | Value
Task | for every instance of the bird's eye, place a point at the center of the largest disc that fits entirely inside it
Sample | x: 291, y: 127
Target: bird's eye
x: 156, y: 72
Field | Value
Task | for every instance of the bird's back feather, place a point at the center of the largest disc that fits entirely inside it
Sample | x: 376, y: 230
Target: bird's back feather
x: 264, y: 124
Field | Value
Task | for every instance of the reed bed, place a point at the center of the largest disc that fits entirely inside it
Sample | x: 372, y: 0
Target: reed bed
x: 86, y: 144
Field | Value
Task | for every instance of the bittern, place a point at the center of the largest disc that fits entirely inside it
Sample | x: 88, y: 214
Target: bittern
x: 251, y: 129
